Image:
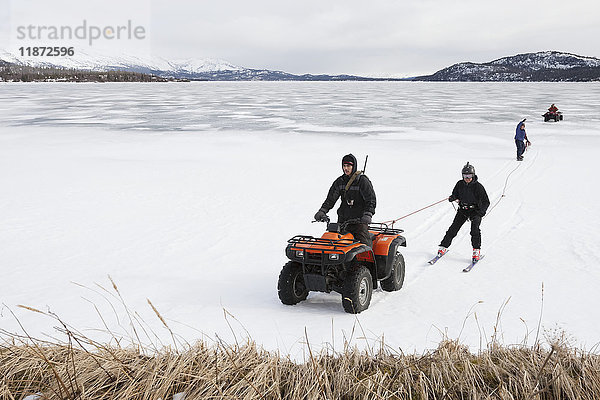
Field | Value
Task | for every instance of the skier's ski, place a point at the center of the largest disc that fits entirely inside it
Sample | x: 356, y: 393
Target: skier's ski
x: 436, y: 258
x: 470, y: 266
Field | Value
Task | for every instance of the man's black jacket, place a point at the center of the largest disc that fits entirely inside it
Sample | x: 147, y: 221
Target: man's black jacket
x: 358, y: 200
x: 471, y: 194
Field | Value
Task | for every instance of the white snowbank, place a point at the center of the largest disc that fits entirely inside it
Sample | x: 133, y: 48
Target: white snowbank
x: 198, y: 221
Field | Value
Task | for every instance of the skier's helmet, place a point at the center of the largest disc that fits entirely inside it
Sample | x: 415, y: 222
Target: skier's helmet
x: 468, y: 169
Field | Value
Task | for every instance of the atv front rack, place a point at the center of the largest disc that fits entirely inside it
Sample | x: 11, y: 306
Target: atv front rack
x: 304, y: 239
x: 320, y: 251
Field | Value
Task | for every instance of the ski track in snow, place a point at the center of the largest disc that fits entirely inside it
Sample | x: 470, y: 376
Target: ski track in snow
x: 186, y: 194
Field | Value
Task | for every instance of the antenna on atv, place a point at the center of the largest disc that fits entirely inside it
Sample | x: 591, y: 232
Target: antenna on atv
x: 365, y: 167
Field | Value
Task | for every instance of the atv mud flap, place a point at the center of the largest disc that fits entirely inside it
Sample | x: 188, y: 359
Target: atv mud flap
x: 315, y: 282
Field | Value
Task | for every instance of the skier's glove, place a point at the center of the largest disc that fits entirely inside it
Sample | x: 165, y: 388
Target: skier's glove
x: 366, y: 218
x: 451, y: 198
x: 320, y: 216
x: 528, y: 143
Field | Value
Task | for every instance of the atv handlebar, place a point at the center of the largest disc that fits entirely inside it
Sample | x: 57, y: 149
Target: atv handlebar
x: 343, y: 225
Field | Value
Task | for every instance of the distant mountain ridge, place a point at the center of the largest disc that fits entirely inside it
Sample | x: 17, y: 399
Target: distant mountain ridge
x: 204, y: 69
x: 528, y: 67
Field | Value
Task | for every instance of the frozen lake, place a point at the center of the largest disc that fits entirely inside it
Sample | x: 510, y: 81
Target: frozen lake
x: 299, y: 107
x: 186, y: 193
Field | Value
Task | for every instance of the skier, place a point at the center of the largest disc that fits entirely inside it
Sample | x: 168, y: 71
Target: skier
x: 357, y: 200
x: 521, y: 140
x: 473, y: 203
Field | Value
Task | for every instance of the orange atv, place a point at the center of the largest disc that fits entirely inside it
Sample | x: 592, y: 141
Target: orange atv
x: 337, y: 262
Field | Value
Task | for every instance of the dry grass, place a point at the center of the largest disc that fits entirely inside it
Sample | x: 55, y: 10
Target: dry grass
x: 62, y: 371
x: 78, y: 367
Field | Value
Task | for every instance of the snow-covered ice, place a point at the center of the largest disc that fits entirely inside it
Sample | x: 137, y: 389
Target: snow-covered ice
x: 185, y: 194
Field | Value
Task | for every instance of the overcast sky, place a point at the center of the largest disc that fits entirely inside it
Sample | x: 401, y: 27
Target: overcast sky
x: 375, y: 38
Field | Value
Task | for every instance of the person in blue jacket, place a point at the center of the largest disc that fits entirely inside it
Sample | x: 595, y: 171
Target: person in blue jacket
x: 521, y: 140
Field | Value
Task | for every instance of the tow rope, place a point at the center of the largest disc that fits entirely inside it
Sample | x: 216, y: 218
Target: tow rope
x: 503, y: 190
x: 393, y: 221
x: 414, y: 212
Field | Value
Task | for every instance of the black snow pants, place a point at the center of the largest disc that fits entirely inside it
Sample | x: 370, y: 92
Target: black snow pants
x: 361, y: 233
x: 520, y: 148
x: 460, y: 218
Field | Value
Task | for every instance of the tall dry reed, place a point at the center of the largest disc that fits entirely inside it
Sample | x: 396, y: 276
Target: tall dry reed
x: 78, y: 367
x: 62, y: 371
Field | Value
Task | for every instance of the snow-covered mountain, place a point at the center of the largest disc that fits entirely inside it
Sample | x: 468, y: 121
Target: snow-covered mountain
x: 548, y: 60
x: 101, y: 62
x: 541, y: 66
x: 195, y: 69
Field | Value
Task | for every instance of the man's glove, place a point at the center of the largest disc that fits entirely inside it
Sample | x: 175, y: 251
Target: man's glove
x: 528, y: 143
x: 451, y: 198
x: 366, y: 218
x: 320, y: 216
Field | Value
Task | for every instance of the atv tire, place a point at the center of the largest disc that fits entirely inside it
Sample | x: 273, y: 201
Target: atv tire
x: 291, y: 287
x: 358, y: 289
x: 396, y: 279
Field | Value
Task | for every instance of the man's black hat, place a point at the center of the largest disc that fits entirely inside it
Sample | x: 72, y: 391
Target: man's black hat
x: 349, y: 159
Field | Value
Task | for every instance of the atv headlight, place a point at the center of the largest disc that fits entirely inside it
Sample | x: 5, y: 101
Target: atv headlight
x: 334, y: 257
x: 300, y: 253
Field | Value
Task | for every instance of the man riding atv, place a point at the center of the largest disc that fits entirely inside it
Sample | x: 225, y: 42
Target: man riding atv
x: 352, y: 257
x: 357, y: 200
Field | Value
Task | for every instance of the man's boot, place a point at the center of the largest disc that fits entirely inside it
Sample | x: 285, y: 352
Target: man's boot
x: 476, y: 254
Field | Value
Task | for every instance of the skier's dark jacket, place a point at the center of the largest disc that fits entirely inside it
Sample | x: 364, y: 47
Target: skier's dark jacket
x: 472, y: 197
x: 359, y: 200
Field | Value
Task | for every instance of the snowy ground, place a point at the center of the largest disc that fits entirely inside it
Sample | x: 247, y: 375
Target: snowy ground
x: 185, y: 194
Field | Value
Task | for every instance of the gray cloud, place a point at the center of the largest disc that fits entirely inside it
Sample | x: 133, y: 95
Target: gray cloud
x: 380, y: 37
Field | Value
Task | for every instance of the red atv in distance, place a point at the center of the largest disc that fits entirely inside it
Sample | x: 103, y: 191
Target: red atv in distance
x: 337, y: 262
x: 553, y: 115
